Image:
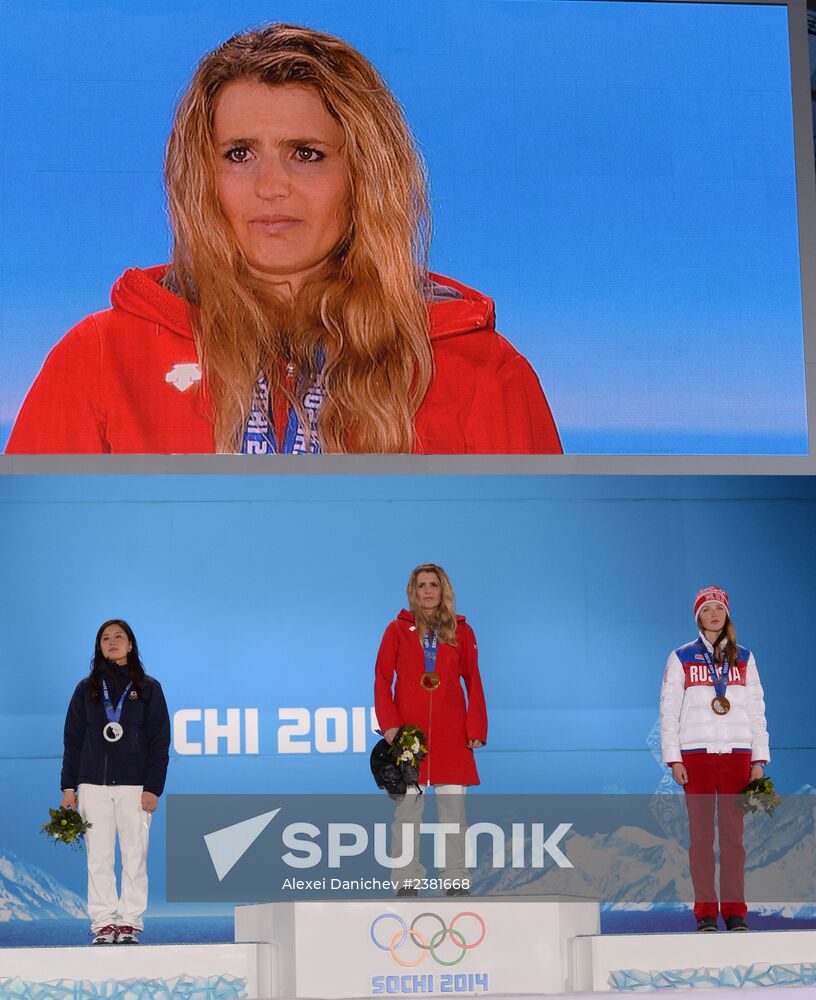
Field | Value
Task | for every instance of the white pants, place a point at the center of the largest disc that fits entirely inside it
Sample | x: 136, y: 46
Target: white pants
x: 112, y: 810
x: 450, y: 808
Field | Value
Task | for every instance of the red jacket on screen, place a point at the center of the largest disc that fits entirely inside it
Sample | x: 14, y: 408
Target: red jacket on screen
x: 442, y: 714
x: 126, y: 380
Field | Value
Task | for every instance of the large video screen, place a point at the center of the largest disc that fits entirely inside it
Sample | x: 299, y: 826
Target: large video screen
x: 612, y: 189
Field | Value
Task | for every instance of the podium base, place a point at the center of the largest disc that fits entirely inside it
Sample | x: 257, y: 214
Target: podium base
x: 722, y: 961
x: 197, y: 971
x: 430, y: 946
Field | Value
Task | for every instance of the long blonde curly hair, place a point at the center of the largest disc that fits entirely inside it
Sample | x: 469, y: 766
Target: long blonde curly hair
x: 443, y: 619
x: 365, y: 317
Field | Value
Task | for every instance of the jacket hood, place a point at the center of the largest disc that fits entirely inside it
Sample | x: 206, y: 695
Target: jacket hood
x: 455, y: 309
x: 407, y: 616
x: 140, y: 293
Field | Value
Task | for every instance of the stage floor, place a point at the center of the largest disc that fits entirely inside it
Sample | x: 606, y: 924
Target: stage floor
x: 361, y: 949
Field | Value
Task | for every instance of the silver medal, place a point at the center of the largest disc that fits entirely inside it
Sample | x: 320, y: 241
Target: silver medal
x: 113, y: 732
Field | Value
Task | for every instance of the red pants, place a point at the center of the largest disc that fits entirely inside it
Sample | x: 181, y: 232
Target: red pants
x: 716, y: 778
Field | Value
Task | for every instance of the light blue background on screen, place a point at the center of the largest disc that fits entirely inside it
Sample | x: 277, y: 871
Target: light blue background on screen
x: 619, y: 177
x: 274, y: 592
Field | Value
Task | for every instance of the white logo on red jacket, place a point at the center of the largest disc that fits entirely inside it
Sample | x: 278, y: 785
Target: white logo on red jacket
x: 183, y: 376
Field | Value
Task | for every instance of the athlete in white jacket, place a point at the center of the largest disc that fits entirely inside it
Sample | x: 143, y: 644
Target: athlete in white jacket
x: 714, y: 738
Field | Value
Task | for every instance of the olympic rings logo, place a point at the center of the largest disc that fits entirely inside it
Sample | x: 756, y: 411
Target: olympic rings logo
x: 427, y: 946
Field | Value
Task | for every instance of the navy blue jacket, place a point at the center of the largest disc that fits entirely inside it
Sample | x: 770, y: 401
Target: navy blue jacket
x: 139, y: 758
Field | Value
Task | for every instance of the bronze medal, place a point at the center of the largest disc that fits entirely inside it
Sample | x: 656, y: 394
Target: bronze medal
x: 720, y: 705
x: 430, y: 680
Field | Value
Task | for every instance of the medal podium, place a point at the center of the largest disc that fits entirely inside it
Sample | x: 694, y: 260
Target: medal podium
x: 124, y: 972
x: 511, y: 946
x: 432, y: 946
x: 647, y: 963
x: 429, y: 945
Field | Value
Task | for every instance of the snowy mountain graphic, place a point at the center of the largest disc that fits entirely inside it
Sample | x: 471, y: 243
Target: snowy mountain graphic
x: 29, y: 893
x: 630, y: 864
x: 633, y: 868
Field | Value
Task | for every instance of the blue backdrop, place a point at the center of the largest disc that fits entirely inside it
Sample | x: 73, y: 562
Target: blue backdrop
x: 272, y: 593
x: 618, y: 176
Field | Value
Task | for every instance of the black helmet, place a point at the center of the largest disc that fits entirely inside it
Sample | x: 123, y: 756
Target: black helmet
x: 386, y: 772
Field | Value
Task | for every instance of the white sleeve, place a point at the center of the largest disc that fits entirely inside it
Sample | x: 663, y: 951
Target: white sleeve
x: 756, y: 713
x: 672, y: 693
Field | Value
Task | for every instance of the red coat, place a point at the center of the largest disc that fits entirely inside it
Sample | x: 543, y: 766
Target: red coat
x: 117, y: 383
x: 448, y: 723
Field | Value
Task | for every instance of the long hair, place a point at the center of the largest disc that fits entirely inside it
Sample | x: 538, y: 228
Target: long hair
x: 728, y: 651
x: 443, y: 619
x: 136, y: 670
x: 365, y: 316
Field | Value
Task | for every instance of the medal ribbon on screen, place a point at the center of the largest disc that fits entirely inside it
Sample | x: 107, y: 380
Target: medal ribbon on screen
x: 259, y: 435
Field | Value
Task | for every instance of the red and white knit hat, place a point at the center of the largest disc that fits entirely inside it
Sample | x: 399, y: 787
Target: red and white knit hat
x: 707, y: 595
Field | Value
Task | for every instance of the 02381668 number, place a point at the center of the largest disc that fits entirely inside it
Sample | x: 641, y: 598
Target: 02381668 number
x: 436, y: 883
x: 331, y: 728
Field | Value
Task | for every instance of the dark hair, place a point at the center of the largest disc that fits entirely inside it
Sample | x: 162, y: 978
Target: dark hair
x: 136, y: 670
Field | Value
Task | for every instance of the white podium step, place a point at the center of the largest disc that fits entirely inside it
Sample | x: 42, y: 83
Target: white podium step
x: 640, y: 962
x: 252, y: 963
x: 433, y: 947
x: 464, y: 945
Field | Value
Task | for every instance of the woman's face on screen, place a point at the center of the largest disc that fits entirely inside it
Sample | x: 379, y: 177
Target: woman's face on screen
x: 281, y: 177
x: 428, y: 591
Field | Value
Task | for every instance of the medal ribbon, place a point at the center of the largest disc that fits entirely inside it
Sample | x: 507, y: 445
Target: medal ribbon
x: 114, y: 714
x: 720, y: 683
x: 259, y: 434
x: 429, y: 648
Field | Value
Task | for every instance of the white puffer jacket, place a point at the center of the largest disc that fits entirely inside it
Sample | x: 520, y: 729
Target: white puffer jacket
x: 687, y: 720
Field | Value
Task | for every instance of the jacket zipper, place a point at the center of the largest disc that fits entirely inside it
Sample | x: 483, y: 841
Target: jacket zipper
x: 430, y: 719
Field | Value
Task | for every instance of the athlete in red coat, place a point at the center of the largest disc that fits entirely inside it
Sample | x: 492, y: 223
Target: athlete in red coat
x: 128, y: 381
x: 432, y: 650
x: 449, y: 723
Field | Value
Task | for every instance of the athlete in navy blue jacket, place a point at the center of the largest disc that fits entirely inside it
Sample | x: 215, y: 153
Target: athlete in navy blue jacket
x: 117, y: 742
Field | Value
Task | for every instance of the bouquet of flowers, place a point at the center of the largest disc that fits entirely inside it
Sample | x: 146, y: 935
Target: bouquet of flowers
x: 395, y: 766
x: 67, y: 826
x: 759, y: 796
x: 407, y: 750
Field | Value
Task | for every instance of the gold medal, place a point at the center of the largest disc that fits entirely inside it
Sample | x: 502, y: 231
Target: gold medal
x: 720, y: 705
x: 430, y: 680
